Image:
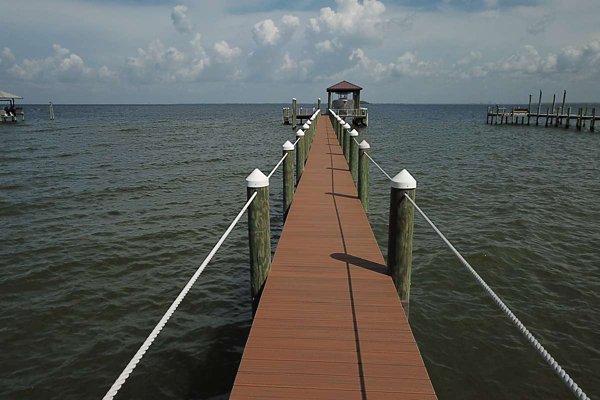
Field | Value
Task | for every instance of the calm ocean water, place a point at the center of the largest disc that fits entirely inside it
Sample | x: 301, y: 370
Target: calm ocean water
x: 107, y: 211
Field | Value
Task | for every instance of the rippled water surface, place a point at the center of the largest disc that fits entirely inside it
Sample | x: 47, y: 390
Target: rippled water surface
x: 106, y: 212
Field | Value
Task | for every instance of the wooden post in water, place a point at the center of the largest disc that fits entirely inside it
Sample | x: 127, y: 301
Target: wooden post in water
x: 547, y: 115
x: 568, y: 118
x: 487, y: 116
x: 259, y: 233
x: 497, y: 111
x: 353, y: 134
x: 578, y: 121
x: 307, y: 141
x: 539, y: 109
x: 583, y: 120
x: 300, y: 146
x: 593, y: 120
x: 288, y: 177
x: 552, y: 108
x: 346, y: 133
x: 529, y: 110
x: 363, y: 174
x: 400, y: 233
x: 562, y: 107
x: 294, y: 113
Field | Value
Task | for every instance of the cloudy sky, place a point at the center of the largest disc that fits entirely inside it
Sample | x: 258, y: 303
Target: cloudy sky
x: 228, y: 51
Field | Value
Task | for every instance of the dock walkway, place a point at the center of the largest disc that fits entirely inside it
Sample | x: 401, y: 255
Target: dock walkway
x: 330, y: 324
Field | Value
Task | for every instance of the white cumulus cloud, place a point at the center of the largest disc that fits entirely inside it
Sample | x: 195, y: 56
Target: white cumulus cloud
x: 225, y: 53
x: 181, y: 22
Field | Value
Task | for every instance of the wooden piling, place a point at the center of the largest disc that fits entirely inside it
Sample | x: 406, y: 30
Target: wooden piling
x: 300, y: 158
x: 353, y: 134
x: 288, y: 177
x: 547, y: 116
x: 539, y: 109
x: 259, y: 233
x: 584, y: 115
x: 363, y: 174
x: 346, y: 147
x: 562, y: 107
x: 319, y: 104
x: 578, y: 121
x: 529, y: 111
x: 400, y: 233
x: 593, y: 120
x: 568, y: 118
x: 294, y: 113
x: 552, y: 108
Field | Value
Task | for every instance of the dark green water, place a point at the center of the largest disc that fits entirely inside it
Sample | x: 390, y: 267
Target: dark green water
x: 106, y: 212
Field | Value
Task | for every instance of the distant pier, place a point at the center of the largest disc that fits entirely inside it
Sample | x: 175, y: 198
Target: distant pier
x: 556, y: 116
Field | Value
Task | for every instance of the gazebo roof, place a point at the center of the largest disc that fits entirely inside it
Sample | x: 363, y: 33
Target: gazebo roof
x: 344, y: 87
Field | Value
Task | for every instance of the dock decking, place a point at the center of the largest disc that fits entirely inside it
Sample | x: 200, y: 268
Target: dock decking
x: 330, y: 324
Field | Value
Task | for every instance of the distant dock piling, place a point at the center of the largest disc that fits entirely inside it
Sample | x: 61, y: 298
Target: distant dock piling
x: 555, y: 115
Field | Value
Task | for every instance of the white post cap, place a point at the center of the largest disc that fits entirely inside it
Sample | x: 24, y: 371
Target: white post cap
x: 257, y: 179
x: 347, y: 126
x: 305, y: 126
x: 318, y: 98
x: 299, y: 133
x: 364, y: 145
x: 353, y: 133
x: 309, y: 122
x: 404, y: 180
x: 293, y: 98
x: 287, y: 146
x: 312, y: 118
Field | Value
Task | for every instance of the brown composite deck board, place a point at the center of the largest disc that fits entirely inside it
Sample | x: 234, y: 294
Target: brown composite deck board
x: 330, y: 324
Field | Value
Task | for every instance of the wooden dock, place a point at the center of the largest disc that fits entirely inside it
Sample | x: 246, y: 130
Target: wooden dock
x: 329, y: 324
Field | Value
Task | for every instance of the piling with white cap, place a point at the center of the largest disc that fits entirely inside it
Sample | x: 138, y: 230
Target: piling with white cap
x: 319, y: 105
x: 259, y: 233
x: 341, y: 124
x: 363, y: 174
x: 300, y: 154
x: 288, y: 177
x: 346, y: 143
x: 400, y: 233
x: 353, y: 154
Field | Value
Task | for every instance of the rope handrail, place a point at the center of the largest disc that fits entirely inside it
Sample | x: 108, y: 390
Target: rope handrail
x: 277, y: 166
x: 377, y: 165
x: 114, y: 389
x: 296, y: 142
x: 567, y: 380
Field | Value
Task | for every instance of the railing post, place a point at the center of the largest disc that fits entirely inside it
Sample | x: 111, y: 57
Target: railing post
x: 300, y: 146
x: 259, y: 233
x: 353, y: 154
x: 288, y: 177
x: 294, y: 113
x: 400, y: 233
x: 346, y: 134
x: 319, y: 104
x: 340, y: 130
x: 363, y: 174
x: 306, y: 129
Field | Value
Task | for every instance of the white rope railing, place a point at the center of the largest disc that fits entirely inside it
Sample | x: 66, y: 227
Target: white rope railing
x: 277, y: 166
x: 114, y: 389
x: 377, y: 165
x: 567, y: 380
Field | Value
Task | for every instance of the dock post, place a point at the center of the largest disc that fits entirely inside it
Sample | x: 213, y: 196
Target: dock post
x: 307, y: 133
x: 593, y: 120
x: 294, y: 113
x: 487, y: 116
x: 529, y: 110
x: 346, y: 133
x: 583, y: 120
x: 539, y: 109
x: 547, y: 116
x: 300, y: 146
x: 562, y: 107
x: 259, y: 233
x: 400, y: 233
x: 363, y: 174
x: 497, y: 112
x: 568, y: 118
x: 288, y: 177
x: 557, y: 118
x: 319, y: 104
x: 353, y: 154
x: 341, y: 131
x: 578, y: 122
